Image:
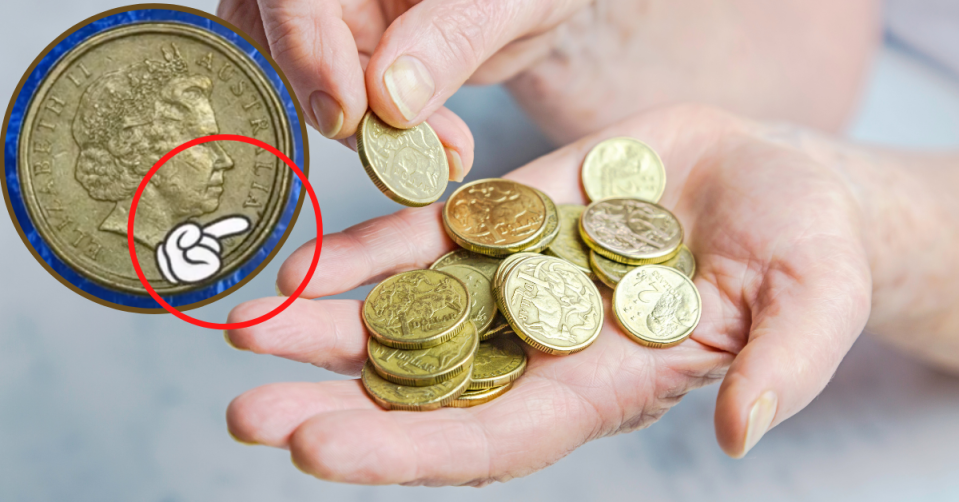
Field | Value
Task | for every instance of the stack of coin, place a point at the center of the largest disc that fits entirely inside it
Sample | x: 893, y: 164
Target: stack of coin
x: 426, y: 326
x: 636, y: 246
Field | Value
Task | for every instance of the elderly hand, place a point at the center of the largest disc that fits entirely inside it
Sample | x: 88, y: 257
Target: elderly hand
x: 784, y: 280
x: 576, y: 66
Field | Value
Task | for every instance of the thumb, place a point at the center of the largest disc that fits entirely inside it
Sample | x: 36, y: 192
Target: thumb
x: 802, y: 328
x: 432, y: 49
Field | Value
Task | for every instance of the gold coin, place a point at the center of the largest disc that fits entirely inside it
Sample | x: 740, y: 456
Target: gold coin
x: 497, y: 362
x: 684, y: 261
x: 500, y: 326
x: 608, y: 271
x: 623, y: 167
x: 495, y: 217
x: 416, y: 309
x: 408, y: 165
x: 505, y: 267
x: 485, y: 264
x: 422, y: 367
x: 482, y: 304
x: 631, y: 231
x: 109, y: 109
x: 391, y: 396
x: 552, y: 226
x: 568, y: 244
x: 657, y: 306
x: 551, y: 305
x: 477, y: 397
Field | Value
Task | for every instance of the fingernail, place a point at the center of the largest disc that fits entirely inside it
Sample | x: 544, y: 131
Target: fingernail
x: 760, y: 417
x: 410, y: 85
x: 329, y: 114
x: 226, y: 336
x: 238, y: 440
x: 457, y: 173
x: 276, y: 286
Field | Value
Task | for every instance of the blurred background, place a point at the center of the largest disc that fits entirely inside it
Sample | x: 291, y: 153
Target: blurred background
x: 97, y: 404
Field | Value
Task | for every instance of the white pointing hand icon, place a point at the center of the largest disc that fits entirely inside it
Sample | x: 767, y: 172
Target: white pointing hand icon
x: 191, y: 253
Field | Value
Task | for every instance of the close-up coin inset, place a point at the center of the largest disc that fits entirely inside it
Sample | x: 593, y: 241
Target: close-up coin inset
x: 98, y: 116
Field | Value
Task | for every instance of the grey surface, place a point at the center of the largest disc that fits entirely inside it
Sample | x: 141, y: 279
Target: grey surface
x: 102, y: 405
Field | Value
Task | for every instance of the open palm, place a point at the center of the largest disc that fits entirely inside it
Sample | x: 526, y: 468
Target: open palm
x: 783, y: 277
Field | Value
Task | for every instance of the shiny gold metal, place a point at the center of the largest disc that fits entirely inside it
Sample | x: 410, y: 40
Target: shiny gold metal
x: 477, y: 397
x: 391, y: 396
x: 416, y: 309
x: 631, y: 231
x: 482, y: 304
x: 608, y: 271
x: 506, y: 265
x: 500, y: 326
x: 498, y: 361
x: 657, y: 306
x: 552, y: 305
x: 408, y: 165
x: 106, y: 112
x: 552, y: 226
x: 623, y: 167
x: 684, y: 261
x: 568, y: 244
x: 495, y: 217
x: 422, y: 367
x: 485, y: 264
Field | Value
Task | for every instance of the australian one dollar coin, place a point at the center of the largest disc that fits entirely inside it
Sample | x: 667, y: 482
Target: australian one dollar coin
x: 108, y: 109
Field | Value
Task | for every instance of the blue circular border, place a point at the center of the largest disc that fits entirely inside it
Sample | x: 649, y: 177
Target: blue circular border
x: 12, y: 141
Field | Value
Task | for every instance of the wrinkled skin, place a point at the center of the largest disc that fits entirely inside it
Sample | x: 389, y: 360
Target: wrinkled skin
x: 782, y: 271
x: 576, y: 66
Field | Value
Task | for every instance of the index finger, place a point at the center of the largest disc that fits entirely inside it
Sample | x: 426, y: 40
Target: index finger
x: 231, y: 225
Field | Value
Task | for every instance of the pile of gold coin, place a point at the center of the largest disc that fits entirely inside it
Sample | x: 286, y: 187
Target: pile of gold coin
x: 453, y: 335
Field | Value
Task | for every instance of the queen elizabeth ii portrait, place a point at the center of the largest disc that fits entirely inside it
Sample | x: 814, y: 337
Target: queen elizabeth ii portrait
x: 126, y: 121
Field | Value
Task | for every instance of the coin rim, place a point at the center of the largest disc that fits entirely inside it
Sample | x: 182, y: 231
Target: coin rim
x: 489, y: 322
x: 370, y: 372
x: 586, y: 249
x: 470, y: 255
x: 480, y: 397
x: 425, y: 380
x: 504, y: 378
x: 601, y: 272
x: 377, y: 179
x: 590, y: 166
x: 656, y: 344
